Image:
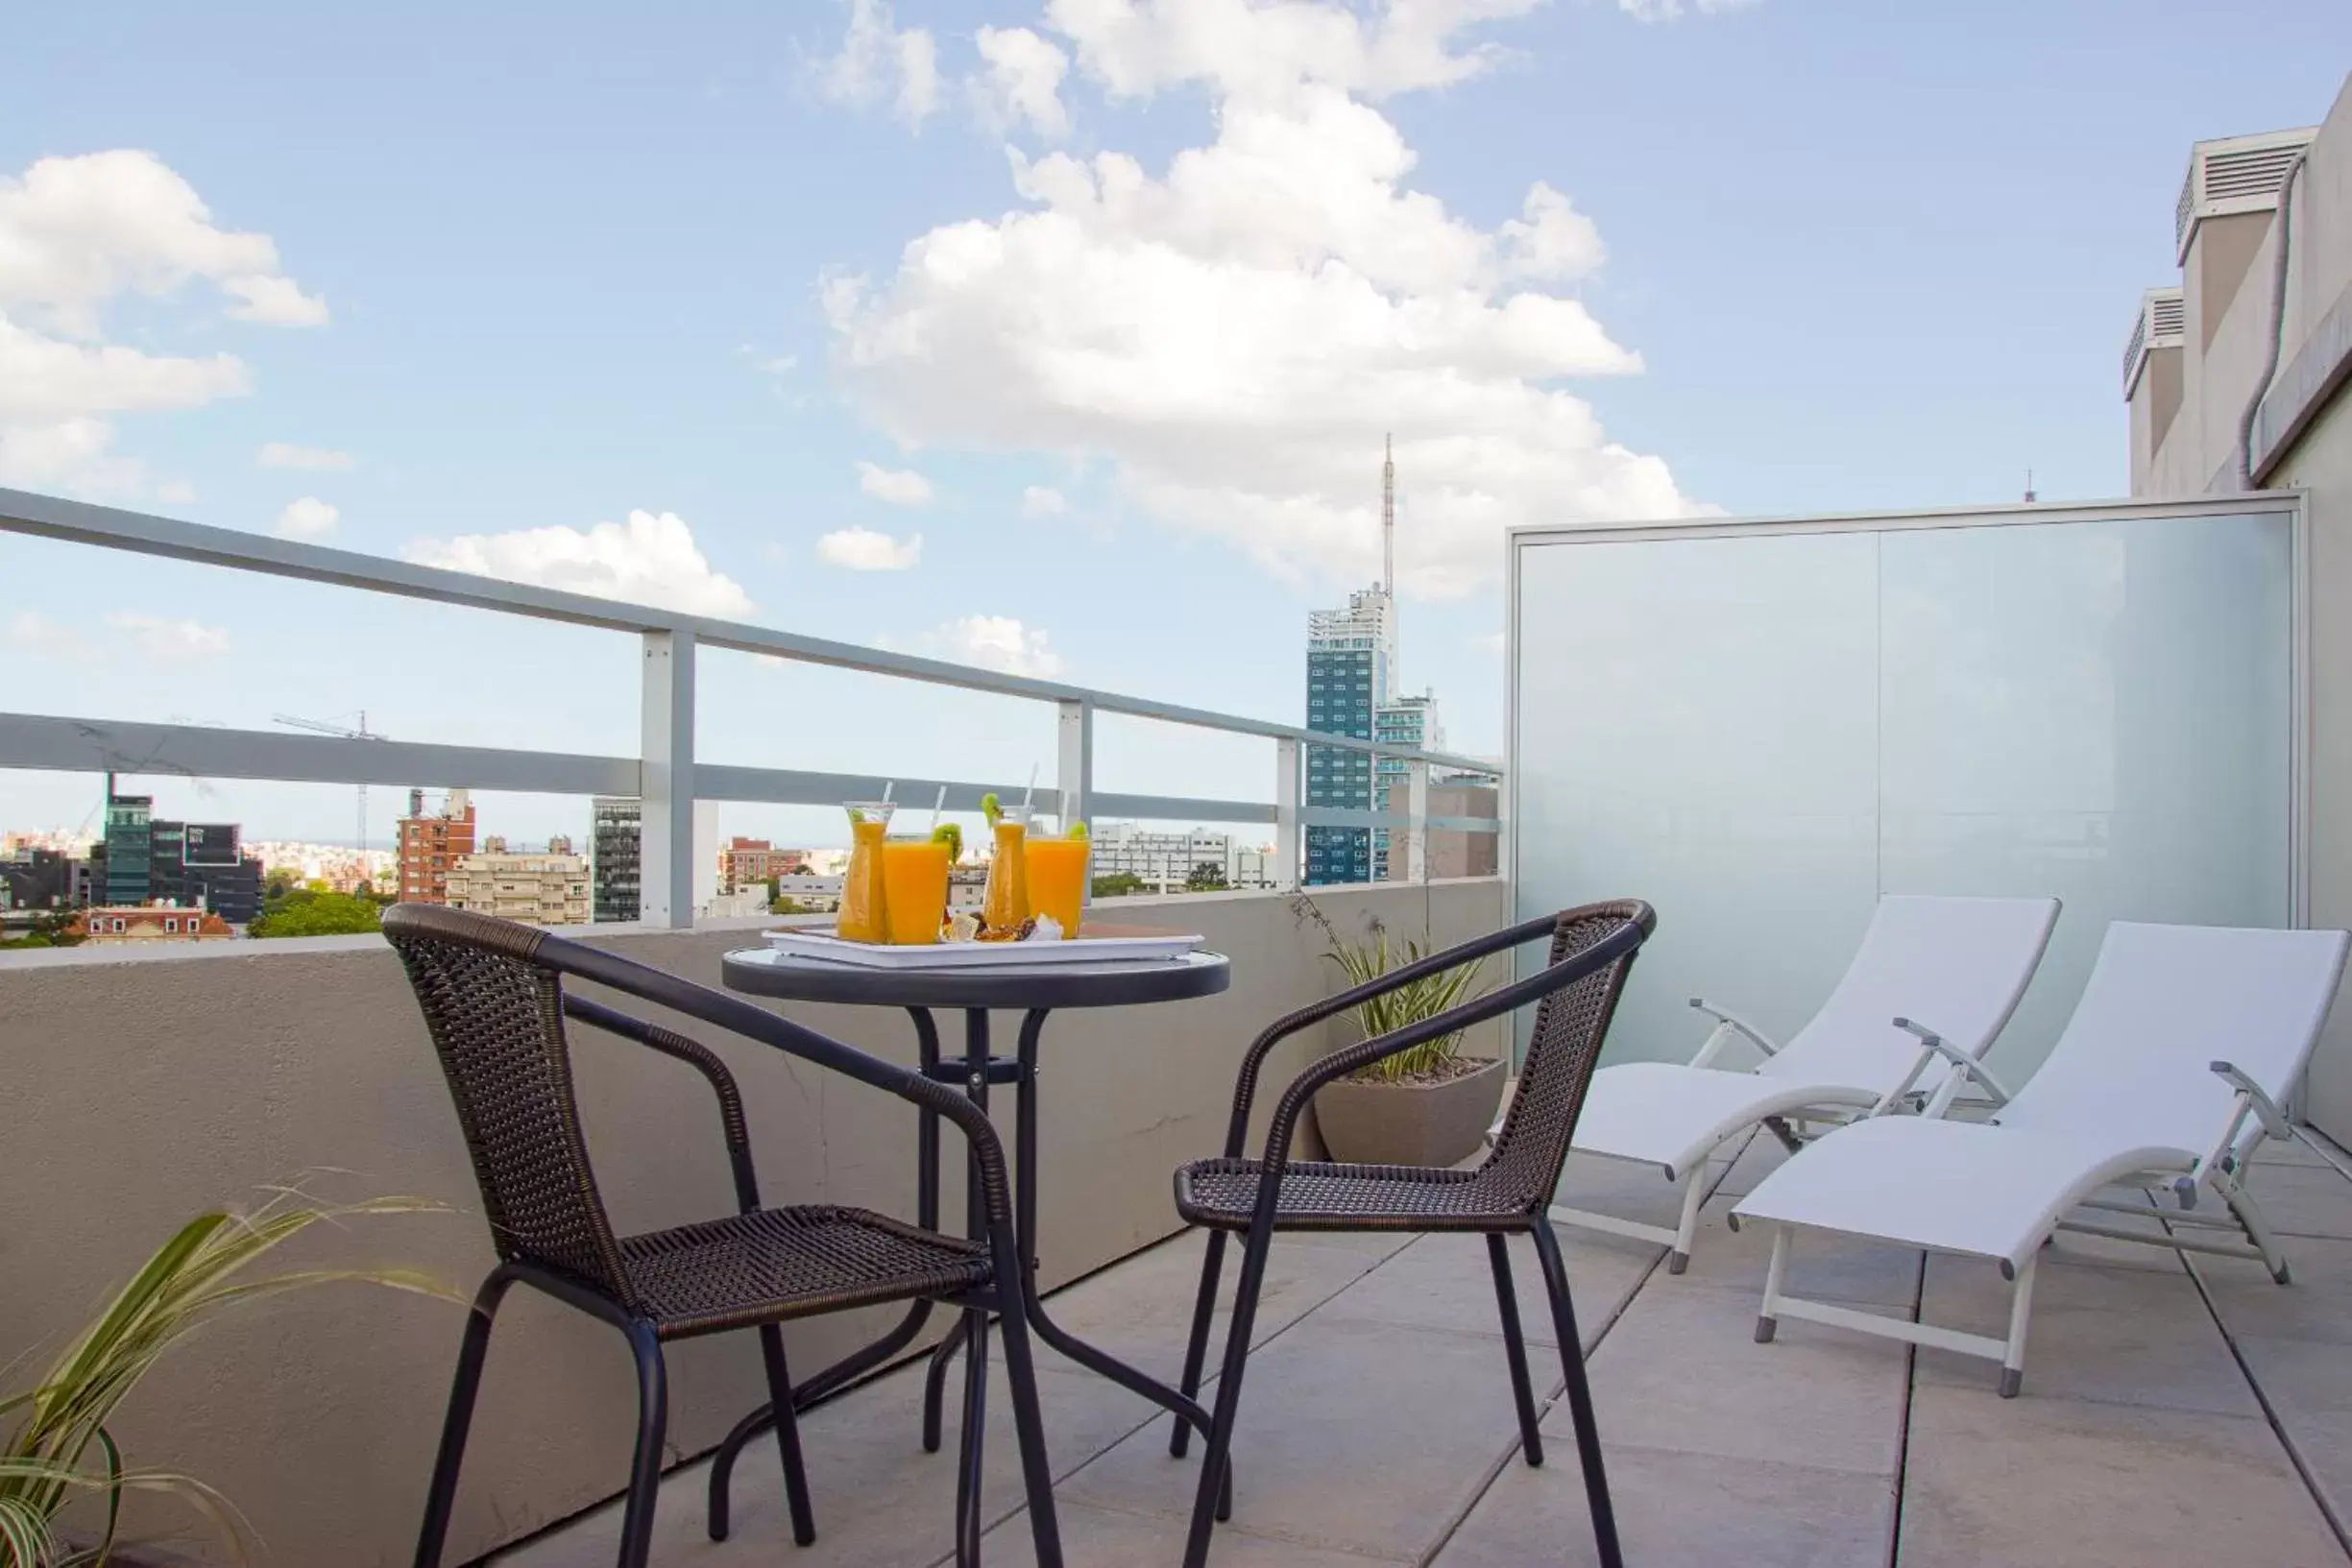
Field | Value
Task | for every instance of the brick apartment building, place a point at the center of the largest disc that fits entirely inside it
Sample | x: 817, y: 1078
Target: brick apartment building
x: 431, y: 846
x: 749, y: 863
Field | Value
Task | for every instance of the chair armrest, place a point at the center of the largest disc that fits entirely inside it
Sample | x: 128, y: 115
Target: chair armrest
x: 1727, y: 1024
x: 733, y: 1124
x: 1253, y: 1060
x: 737, y: 1015
x: 1510, y: 998
x: 2258, y: 1100
x: 1932, y: 1046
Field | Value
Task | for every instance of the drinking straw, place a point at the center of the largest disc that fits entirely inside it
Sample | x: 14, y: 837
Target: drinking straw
x: 887, y: 785
x: 1032, y: 786
x: 938, y: 805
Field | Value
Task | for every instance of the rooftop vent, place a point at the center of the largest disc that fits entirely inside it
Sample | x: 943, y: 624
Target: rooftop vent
x: 2237, y: 174
x: 2160, y: 325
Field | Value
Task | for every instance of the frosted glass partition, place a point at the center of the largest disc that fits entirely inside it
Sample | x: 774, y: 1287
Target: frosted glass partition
x: 1762, y: 728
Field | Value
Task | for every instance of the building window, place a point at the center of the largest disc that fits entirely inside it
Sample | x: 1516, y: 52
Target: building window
x: 171, y: 924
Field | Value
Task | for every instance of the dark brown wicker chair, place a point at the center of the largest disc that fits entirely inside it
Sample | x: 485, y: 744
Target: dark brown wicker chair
x: 1593, y: 950
x: 494, y: 1000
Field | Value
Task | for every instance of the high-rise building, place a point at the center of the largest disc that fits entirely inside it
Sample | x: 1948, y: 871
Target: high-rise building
x: 1351, y: 665
x: 128, y: 839
x: 431, y: 846
x: 536, y: 889
x: 204, y: 865
x: 616, y: 842
x: 1407, y: 721
x: 189, y: 864
x: 1351, y: 672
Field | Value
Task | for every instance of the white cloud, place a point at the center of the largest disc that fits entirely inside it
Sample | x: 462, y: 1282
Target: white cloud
x: 1001, y: 644
x: 862, y: 549
x: 900, y: 487
x: 176, y: 491
x: 77, y: 233
x: 780, y: 364
x: 71, y: 454
x: 285, y: 454
x: 1674, y: 11
x: 46, y: 380
x: 1267, y: 49
x: 31, y: 632
x: 1236, y: 332
x: 880, y: 59
x: 1488, y: 642
x: 307, y: 517
x: 164, y: 638
x: 1550, y: 240
x: 275, y: 300
x: 1020, y: 82
x: 651, y: 559
x: 1043, y: 501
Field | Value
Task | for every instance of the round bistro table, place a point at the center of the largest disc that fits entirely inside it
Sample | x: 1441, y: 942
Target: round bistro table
x: 1034, y: 991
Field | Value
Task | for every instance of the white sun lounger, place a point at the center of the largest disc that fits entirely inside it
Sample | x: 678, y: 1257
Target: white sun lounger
x: 1956, y: 964
x: 2171, y: 1072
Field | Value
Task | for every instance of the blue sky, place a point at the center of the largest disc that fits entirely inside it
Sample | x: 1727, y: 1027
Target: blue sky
x: 1126, y: 381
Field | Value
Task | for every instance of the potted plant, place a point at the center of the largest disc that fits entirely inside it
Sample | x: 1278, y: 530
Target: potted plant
x: 59, y: 1450
x: 1426, y: 1106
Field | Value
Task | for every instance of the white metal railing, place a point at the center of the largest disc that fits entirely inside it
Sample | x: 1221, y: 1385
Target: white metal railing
x: 665, y: 775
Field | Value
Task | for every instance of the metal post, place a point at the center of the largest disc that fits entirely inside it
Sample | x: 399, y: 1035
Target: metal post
x: 1417, y: 842
x: 667, y: 783
x: 1286, y: 814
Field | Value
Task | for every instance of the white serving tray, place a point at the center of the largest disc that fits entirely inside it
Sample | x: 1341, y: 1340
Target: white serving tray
x: 1095, y: 944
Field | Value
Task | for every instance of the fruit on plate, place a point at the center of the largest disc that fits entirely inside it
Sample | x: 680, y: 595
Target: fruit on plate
x: 1009, y: 933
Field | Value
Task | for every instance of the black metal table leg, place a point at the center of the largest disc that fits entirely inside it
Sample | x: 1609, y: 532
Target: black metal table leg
x: 1024, y: 1230
x: 974, y: 1085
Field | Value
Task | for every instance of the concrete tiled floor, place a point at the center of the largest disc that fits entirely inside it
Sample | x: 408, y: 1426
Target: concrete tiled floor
x: 2172, y: 1414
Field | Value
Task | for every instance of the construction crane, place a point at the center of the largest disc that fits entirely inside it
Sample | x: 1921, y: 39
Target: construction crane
x: 363, y: 733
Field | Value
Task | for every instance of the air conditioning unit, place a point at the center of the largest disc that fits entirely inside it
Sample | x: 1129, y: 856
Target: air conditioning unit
x: 2236, y: 173
x: 2161, y: 323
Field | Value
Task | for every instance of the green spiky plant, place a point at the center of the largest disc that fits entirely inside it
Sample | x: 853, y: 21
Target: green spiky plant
x: 60, y: 1449
x: 1406, y: 1005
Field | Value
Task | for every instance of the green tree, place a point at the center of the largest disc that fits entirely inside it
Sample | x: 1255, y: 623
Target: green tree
x: 280, y: 883
x: 1206, y: 877
x: 308, y: 913
x: 47, y: 931
x: 1118, y: 885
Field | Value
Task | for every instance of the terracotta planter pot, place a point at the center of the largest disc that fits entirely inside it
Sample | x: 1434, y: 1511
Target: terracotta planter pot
x: 1409, y: 1123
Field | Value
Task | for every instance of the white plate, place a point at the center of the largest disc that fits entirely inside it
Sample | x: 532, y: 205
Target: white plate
x: 1094, y: 945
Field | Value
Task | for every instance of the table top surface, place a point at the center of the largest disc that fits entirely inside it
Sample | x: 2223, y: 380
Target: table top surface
x: 764, y: 972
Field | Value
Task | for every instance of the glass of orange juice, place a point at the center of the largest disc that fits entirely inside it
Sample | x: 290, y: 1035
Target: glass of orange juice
x: 863, y: 894
x: 1005, y: 907
x: 914, y: 887
x: 1058, y: 878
